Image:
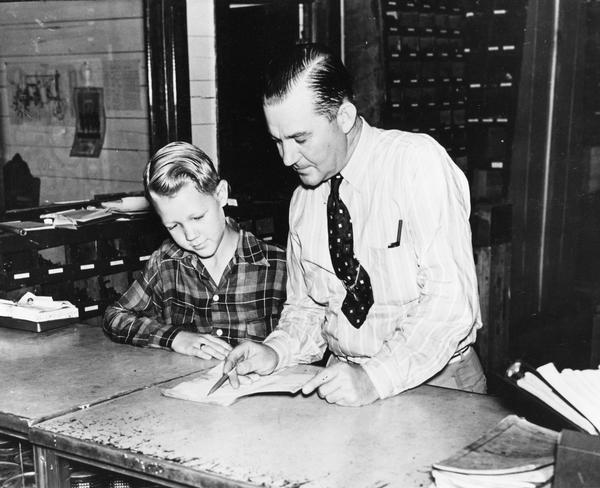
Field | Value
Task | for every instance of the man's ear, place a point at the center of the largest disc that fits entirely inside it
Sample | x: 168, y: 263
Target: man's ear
x: 222, y: 192
x: 346, y: 116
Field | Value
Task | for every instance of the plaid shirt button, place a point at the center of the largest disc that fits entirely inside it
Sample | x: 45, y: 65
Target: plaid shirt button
x: 215, y: 298
x: 219, y: 332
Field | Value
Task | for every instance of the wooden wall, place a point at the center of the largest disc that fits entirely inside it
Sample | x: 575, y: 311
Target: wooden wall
x: 106, y: 36
x: 203, y: 79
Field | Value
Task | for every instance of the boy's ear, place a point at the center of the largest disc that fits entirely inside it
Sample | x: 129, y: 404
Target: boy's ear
x: 222, y: 192
x: 346, y: 116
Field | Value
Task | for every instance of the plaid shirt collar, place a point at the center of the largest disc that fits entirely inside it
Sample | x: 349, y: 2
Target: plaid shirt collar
x: 249, y: 250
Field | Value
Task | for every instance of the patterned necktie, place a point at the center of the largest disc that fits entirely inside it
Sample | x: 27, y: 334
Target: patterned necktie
x: 359, y: 294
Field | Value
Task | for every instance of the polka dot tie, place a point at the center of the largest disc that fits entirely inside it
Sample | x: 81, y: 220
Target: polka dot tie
x: 359, y: 294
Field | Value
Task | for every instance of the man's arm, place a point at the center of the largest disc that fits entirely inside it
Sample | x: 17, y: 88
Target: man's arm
x: 447, y: 311
x: 297, y: 338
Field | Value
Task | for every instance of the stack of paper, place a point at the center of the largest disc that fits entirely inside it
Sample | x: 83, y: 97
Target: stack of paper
x: 36, y: 313
x: 72, y: 218
x: 514, y: 454
x: 288, y: 380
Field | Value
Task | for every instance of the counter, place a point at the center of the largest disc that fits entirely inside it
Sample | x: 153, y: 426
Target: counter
x: 52, y: 373
x: 271, y: 440
x: 78, y: 397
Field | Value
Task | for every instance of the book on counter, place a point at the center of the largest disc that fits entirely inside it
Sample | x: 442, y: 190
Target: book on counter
x: 37, y: 313
x: 514, y: 453
x: 287, y: 380
x: 572, y: 395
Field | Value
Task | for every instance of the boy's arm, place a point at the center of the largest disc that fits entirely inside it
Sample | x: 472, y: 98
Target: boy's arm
x: 137, y: 318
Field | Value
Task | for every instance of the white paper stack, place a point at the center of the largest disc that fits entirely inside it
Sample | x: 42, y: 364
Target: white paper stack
x: 36, y: 313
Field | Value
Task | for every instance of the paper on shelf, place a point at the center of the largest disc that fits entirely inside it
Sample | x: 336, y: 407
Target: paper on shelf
x: 38, y: 308
x: 289, y: 380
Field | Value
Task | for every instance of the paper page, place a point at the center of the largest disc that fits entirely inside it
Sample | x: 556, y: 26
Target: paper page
x: 578, y: 387
x: 537, y: 387
x: 528, y: 479
x: 289, y: 380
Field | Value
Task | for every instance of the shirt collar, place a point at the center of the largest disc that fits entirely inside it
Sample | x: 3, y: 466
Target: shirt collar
x: 249, y: 250
x: 355, y: 171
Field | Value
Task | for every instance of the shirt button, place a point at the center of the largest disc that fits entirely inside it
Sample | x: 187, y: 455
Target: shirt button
x: 216, y: 298
x: 219, y: 332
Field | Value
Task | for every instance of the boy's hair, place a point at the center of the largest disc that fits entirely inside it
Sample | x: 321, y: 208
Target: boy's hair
x: 324, y: 72
x: 176, y: 164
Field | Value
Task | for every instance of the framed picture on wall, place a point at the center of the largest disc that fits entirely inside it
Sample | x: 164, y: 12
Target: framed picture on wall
x: 90, y: 121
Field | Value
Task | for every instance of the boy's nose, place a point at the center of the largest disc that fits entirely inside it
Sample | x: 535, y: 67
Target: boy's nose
x: 191, y: 233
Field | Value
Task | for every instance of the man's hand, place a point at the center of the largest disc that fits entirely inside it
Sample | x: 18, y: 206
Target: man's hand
x: 343, y: 384
x: 250, y: 357
x: 204, y: 346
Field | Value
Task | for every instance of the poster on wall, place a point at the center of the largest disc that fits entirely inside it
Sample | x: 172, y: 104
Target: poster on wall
x: 38, y: 94
x: 90, y: 119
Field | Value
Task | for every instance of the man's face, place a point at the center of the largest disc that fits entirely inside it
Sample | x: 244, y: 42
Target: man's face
x: 308, y: 142
x: 195, y: 220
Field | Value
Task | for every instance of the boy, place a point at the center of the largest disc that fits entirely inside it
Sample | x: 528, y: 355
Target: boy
x: 210, y: 285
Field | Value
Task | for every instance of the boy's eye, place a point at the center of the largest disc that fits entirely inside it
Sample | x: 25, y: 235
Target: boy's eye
x: 198, y: 217
x: 171, y: 227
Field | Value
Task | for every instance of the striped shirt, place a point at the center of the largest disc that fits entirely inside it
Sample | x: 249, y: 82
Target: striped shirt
x: 175, y: 292
x: 425, y: 289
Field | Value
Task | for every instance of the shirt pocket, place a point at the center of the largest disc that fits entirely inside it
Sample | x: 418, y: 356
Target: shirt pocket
x: 185, y: 316
x: 254, y: 329
x: 392, y: 267
x: 387, y: 231
x: 258, y: 329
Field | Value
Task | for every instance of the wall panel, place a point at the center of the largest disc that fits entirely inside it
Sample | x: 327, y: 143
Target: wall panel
x: 97, y: 44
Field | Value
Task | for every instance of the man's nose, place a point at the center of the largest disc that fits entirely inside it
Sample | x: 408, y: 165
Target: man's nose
x: 289, y: 153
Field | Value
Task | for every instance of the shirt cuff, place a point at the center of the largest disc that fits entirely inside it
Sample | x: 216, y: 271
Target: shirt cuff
x: 381, y: 377
x: 278, y: 341
x: 167, y: 337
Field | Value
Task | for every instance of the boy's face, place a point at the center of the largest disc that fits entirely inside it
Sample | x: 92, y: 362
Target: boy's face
x: 195, y: 220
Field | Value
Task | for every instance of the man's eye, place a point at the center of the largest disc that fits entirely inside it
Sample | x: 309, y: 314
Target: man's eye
x: 300, y: 141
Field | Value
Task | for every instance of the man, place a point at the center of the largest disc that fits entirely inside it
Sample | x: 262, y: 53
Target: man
x: 210, y: 285
x: 380, y: 263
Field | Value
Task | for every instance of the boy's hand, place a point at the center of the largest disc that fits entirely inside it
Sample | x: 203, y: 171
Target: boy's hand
x: 204, y: 346
x: 250, y: 357
x: 343, y: 384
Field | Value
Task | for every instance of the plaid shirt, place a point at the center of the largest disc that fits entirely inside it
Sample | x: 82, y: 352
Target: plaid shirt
x: 176, y: 292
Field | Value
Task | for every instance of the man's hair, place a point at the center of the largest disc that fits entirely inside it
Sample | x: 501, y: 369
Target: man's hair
x: 176, y: 164
x: 323, y: 72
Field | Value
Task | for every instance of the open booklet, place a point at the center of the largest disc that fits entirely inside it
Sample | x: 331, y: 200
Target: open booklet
x: 515, y: 453
x: 289, y: 380
x: 572, y: 394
